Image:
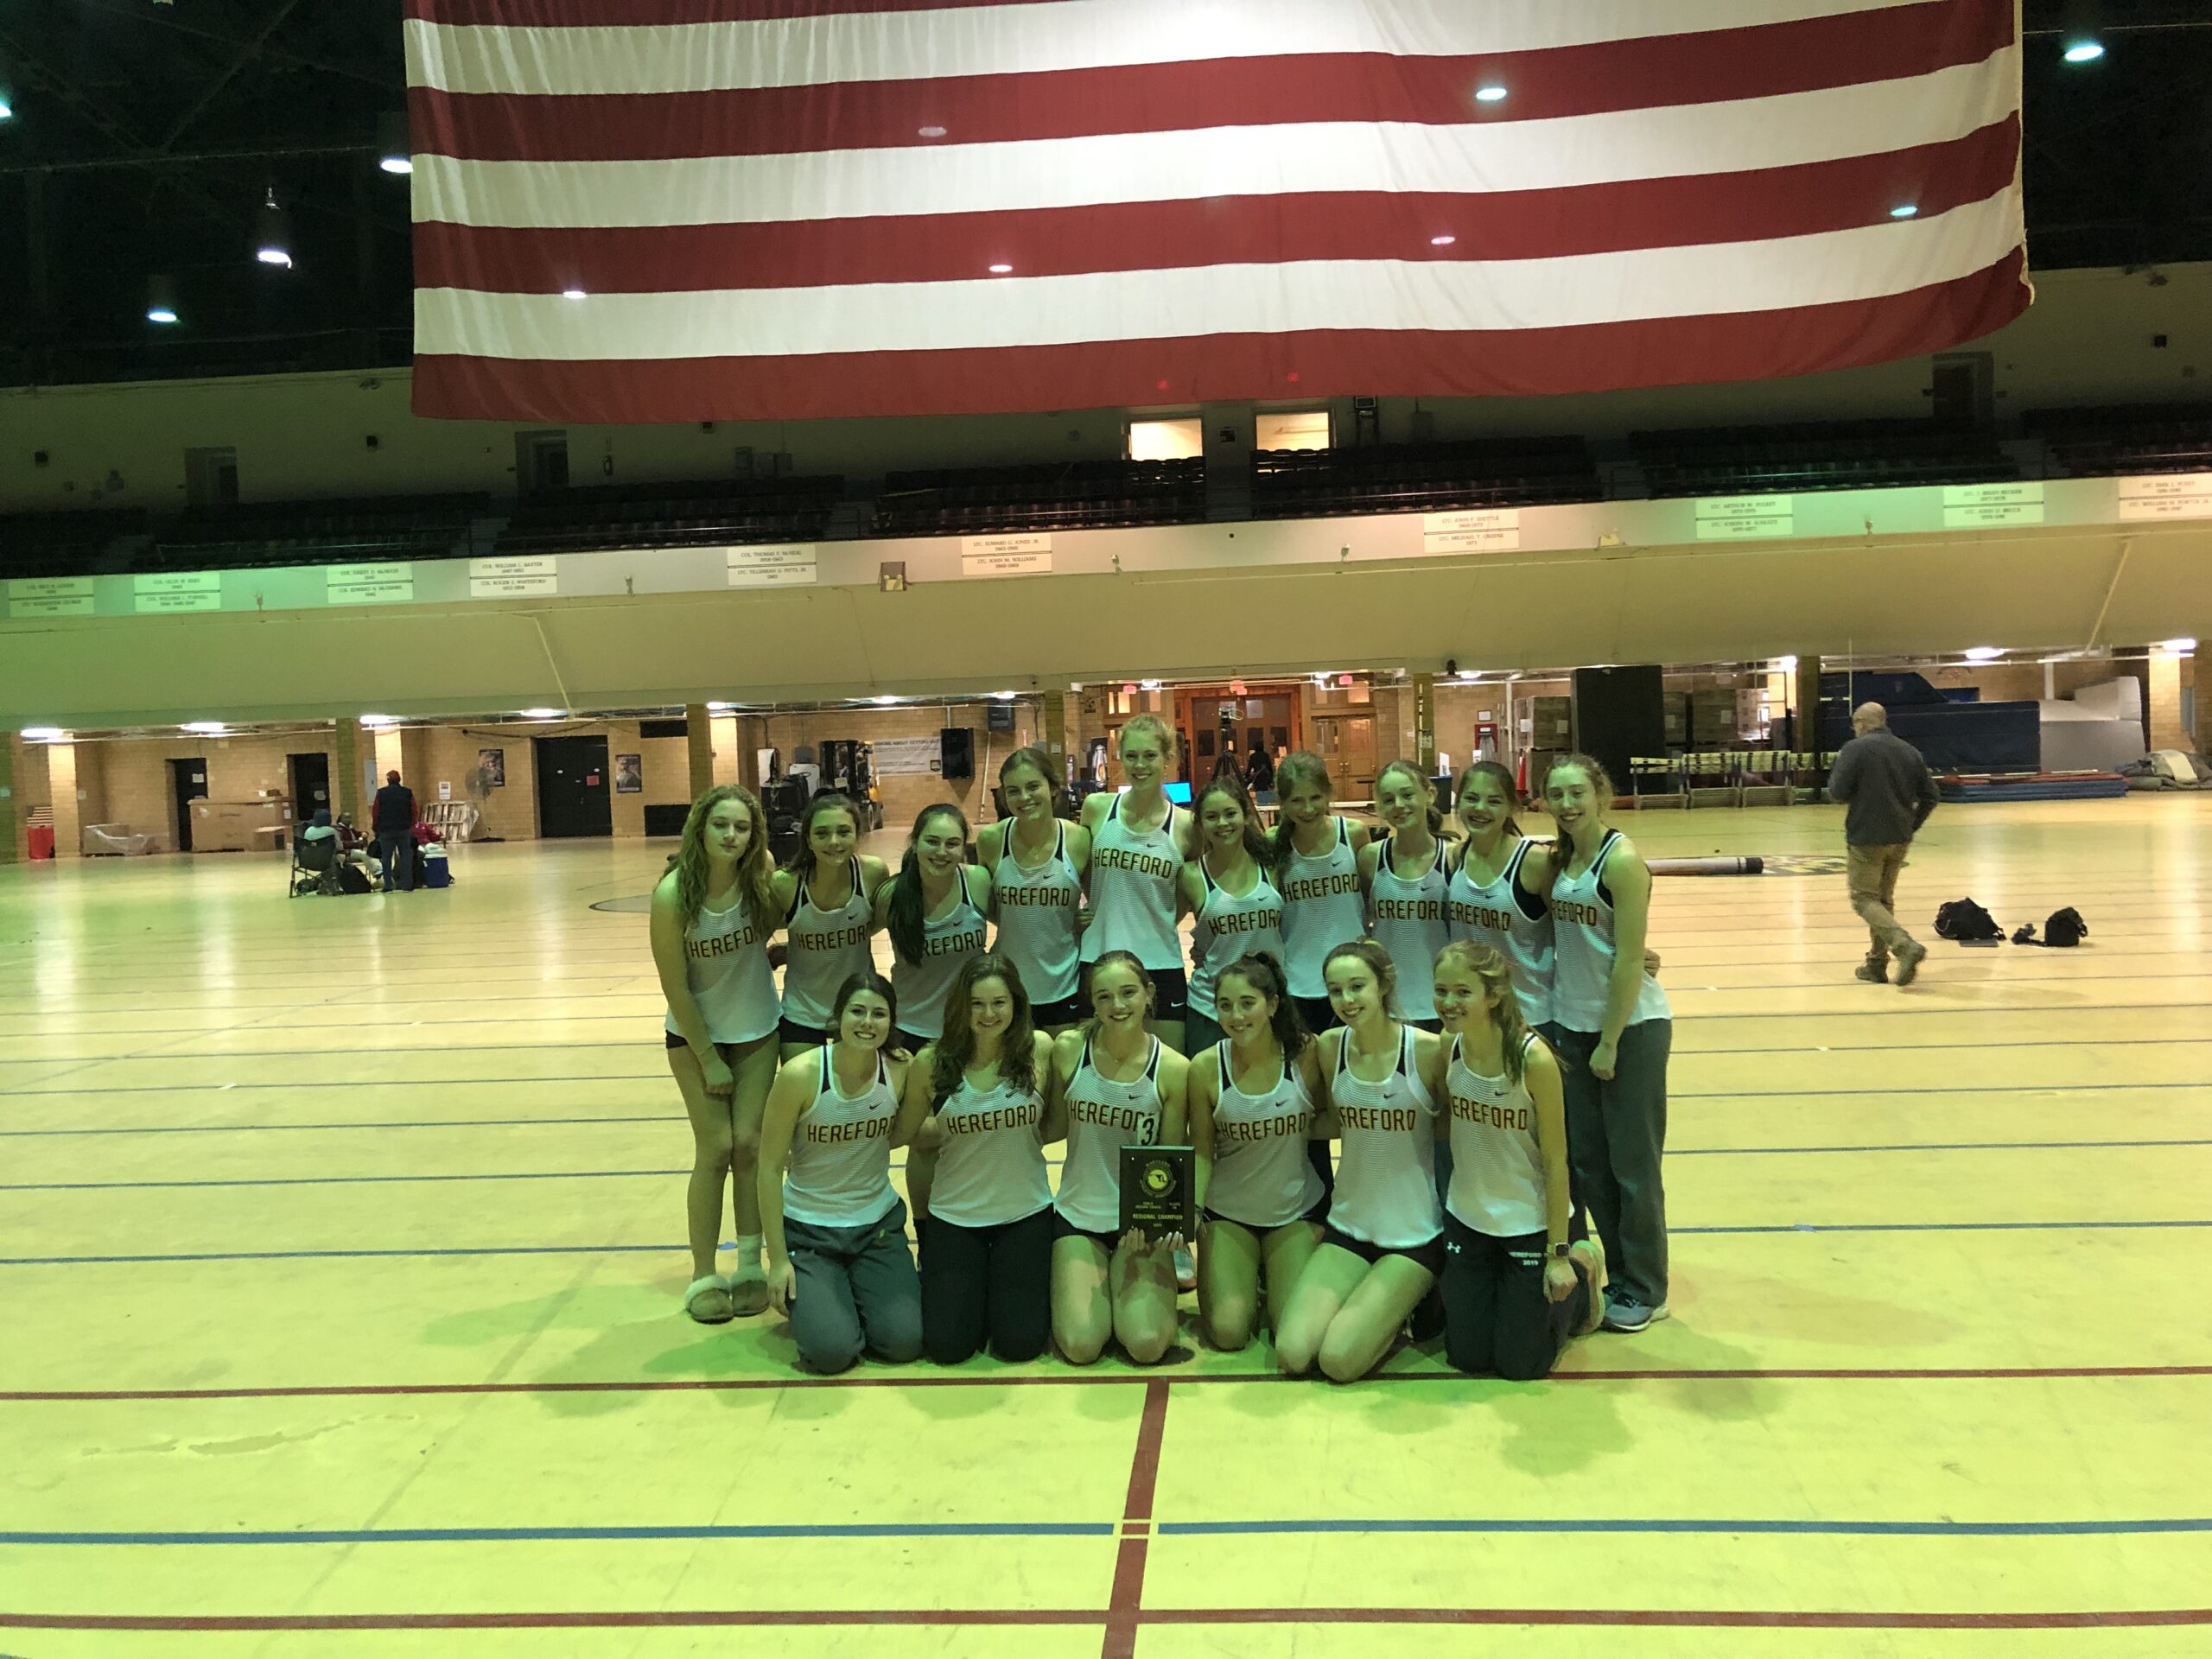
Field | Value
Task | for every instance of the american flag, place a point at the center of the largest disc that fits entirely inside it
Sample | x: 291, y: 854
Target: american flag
x: 634, y: 211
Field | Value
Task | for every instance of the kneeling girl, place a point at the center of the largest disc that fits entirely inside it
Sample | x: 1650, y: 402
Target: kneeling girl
x: 984, y: 1086
x: 1121, y: 1086
x: 838, y: 1260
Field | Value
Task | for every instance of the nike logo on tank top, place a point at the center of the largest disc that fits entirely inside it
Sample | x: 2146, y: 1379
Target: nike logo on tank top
x: 1386, y: 1157
x: 991, y: 1168
x: 725, y: 965
x: 1262, y: 1178
x: 946, y: 943
x: 1321, y: 910
x: 1228, y: 927
x: 824, y: 947
x: 1037, y: 911
x: 1496, y: 913
x: 1409, y: 923
x: 1497, y: 1167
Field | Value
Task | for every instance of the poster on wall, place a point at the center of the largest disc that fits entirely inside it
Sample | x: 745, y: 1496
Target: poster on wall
x: 492, y: 763
x: 629, y: 774
x: 908, y: 756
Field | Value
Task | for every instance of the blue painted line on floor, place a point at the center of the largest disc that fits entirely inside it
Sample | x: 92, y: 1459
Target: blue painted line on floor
x: 677, y: 1248
x: 565, y: 1535
x: 1816, y: 1528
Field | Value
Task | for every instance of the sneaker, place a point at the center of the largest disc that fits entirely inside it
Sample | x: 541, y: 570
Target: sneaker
x: 1589, y: 1254
x: 1627, y: 1312
x: 1874, y: 973
x: 1908, y: 957
x: 1186, y: 1267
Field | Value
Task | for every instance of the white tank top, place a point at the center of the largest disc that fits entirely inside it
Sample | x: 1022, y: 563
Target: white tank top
x: 1386, y: 1158
x: 1103, y: 1116
x: 840, y: 1171
x: 946, y: 943
x: 991, y: 1167
x: 1133, y: 891
x: 1321, y: 910
x: 1261, y: 1177
x: 1516, y: 923
x: 1409, y: 924
x: 824, y: 947
x: 1582, y: 911
x: 725, y: 965
x: 1228, y: 927
x: 1037, y: 909
x: 1497, y: 1168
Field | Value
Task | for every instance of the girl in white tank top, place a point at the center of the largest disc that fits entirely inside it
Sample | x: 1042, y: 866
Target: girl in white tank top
x: 1121, y: 1087
x: 838, y: 1259
x: 1382, y: 1250
x: 1518, y: 1278
x: 827, y: 896
x: 1317, y: 871
x: 1252, y: 1109
x: 934, y: 910
x: 1037, y: 862
x: 1405, y: 877
x: 1498, y: 885
x: 1234, y: 908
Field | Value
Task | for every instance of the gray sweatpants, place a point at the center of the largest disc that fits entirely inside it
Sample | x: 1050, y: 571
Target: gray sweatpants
x: 857, y: 1291
x: 1616, y: 1132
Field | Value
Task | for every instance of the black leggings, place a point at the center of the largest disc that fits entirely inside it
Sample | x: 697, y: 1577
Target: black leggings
x: 1498, y: 1321
x: 987, y: 1283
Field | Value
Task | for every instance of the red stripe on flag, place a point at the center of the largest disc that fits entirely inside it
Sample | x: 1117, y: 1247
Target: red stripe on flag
x: 660, y: 14
x: 1765, y: 62
x: 1229, y: 230
x: 1319, y: 363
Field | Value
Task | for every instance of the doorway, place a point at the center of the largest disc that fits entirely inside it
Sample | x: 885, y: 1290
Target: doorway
x: 310, y: 784
x: 1346, y: 742
x: 573, y: 798
x: 1215, y: 719
x: 187, y: 784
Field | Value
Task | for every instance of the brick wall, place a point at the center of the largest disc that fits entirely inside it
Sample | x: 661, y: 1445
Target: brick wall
x: 127, y: 780
x: 904, y: 794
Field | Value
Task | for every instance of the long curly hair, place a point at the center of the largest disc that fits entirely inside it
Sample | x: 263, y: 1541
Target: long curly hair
x: 1260, y: 970
x: 754, y: 867
x: 956, y: 1049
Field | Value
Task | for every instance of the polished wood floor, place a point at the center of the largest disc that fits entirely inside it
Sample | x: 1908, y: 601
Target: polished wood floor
x: 340, y: 1246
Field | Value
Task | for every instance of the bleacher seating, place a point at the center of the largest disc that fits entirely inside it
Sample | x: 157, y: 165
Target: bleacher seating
x: 1077, y: 495
x: 1422, y: 478
x: 259, y: 534
x: 1817, y: 455
x: 2125, y: 438
x: 690, y: 513
x: 63, y: 544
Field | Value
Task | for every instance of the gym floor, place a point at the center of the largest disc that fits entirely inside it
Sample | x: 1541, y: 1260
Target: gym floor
x: 342, y: 1240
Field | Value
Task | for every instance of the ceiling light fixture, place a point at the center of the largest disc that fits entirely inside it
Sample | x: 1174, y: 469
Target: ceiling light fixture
x: 205, y: 726
x: 2084, y: 51
x: 376, y: 719
x: 43, y: 734
x: 544, y: 714
x: 395, y: 154
x: 1905, y: 210
x: 273, y: 239
x: 1490, y: 94
x: 719, y: 708
x: 1002, y: 270
x: 1984, y: 654
x: 572, y: 294
x: 161, y: 299
x: 930, y: 132
x: 1442, y: 241
x: 2179, y: 647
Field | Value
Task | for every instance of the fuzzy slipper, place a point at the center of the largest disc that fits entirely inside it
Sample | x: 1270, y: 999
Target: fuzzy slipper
x: 748, y: 1290
x: 1590, y: 1254
x: 707, y: 1299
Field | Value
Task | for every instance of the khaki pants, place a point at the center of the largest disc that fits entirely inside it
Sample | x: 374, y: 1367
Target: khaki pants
x: 1873, y: 880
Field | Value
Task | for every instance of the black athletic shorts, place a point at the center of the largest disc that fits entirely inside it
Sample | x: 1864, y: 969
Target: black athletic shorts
x: 1170, y: 993
x: 790, y: 1031
x: 1063, y: 1228
x: 1429, y: 1255
x: 1068, y: 1011
x: 1318, y: 1013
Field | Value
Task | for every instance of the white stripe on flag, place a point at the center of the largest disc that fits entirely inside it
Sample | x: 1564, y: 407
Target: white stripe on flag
x: 1034, y: 39
x: 1745, y: 277
x: 1679, y: 142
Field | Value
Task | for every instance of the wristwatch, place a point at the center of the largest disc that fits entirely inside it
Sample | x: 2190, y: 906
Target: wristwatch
x: 1558, y: 1252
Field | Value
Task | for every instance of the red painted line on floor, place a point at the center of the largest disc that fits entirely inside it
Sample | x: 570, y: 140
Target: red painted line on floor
x: 1124, y: 1606
x: 1727, y: 1618
x: 1089, y: 1379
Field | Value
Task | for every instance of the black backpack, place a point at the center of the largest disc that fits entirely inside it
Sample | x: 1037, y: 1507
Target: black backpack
x: 1967, y: 923
x: 2064, y: 930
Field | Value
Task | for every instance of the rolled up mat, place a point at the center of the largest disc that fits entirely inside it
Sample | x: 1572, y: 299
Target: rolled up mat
x: 1748, y: 864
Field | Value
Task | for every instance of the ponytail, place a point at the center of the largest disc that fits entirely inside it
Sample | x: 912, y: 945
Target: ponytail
x: 1300, y: 769
x: 1489, y: 968
x: 1259, y: 969
x: 1497, y: 773
x: 1378, y: 963
x: 1427, y: 787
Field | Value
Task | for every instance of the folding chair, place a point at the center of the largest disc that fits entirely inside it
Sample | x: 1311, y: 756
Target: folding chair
x: 315, y: 865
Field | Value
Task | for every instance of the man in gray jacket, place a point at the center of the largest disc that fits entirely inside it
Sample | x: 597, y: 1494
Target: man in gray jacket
x: 1885, y: 783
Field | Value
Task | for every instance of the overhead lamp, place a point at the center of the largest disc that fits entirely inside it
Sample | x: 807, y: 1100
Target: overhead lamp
x: 883, y: 702
x: 6, y: 108
x: 206, y: 727
x: 1442, y: 241
x: 2078, y: 34
x: 1468, y: 674
x: 719, y: 708
x: 931, y: 132
x: 1492, y: 94
x: 2179, y: 647
x: 395, y: 154
x: 43, y: 734
x: 376, y: 719
x: 1905, y: 210
x: 273, y: 233
x: 2084, y: 51
x: 544, y: 714
x: 1786, y: 664
x: 161, y: 299
x: 1150, y: 685
x: 1984, y: 654
x: 1002, y: 270
x: 572, y: 294
x: 1005, y: 697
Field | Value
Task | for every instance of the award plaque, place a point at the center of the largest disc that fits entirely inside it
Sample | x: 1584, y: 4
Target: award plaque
x: 1159, y: 1196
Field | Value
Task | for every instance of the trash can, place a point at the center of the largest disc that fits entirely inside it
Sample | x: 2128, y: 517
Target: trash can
x: 40, y: 839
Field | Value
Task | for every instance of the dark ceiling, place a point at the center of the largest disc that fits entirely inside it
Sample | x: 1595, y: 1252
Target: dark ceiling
x: 146, y: 131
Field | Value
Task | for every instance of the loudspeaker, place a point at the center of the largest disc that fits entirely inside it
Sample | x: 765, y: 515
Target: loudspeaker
x: 956, y: 752
x: 1618, y: 712
x: 999, y: 717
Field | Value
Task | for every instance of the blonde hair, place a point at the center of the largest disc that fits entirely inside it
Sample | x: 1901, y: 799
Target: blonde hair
x: 1422, y: 782
x: 1489, y: 968
x: 1160, y: 730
